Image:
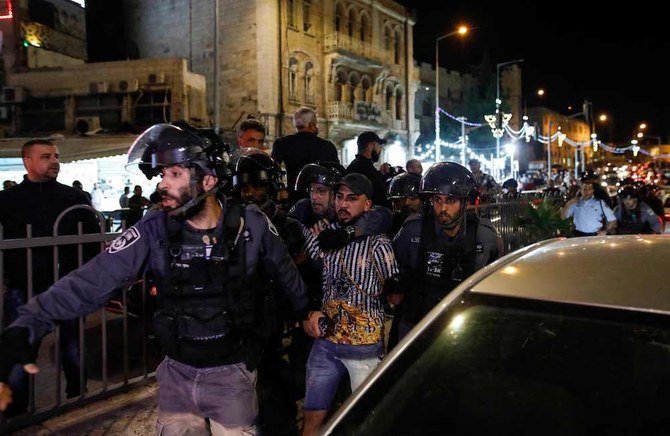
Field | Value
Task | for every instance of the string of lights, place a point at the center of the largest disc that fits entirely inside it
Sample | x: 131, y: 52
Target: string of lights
x: 455, y: 118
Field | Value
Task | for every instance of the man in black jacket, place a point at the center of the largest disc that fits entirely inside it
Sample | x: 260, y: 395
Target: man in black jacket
x: 302, y: 148
x: 38, y: 201
x: 369, y: 150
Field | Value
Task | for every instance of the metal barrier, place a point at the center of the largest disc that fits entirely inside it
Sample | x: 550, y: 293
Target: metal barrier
x: 505, y: 216
x: 101, y: 373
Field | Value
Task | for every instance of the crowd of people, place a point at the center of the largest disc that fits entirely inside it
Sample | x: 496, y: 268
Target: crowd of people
x: 243, y: 246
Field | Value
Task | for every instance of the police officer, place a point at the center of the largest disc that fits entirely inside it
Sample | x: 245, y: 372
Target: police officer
x: 205, y: 254
x: 405, y: 199
x: 257, y: 179
x: 634, y: 216
x: 441, y: 247
x: 316, y: 180
x: 591, y: 215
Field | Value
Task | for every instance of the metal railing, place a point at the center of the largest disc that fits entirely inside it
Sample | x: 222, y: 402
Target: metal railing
x: 113, y: 344
x: 506, y: 213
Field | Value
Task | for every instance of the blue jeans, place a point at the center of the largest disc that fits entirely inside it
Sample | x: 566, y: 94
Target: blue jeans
x: 69, y: 348
x: 327, y: 364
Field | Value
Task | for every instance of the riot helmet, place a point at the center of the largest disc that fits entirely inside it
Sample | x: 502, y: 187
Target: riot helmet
x: 165, y: 145
x: 324, y: 172
x: 448, y: 178
x: 255, y: 167
x: 452, y: 180
x: 178, y: 143
x: 404, y: 185
x: 628, y: 191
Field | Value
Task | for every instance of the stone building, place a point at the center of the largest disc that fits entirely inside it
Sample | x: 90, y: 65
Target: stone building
x: 351, y: 60
x: 563, y: 154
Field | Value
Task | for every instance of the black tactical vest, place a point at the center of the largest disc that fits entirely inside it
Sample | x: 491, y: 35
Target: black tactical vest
x: 210, y: 311
x: 632, y: 224
x: 443, y: 266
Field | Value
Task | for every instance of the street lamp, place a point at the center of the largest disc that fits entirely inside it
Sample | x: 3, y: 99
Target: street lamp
x: 462, y: 30
x: 498, y: 102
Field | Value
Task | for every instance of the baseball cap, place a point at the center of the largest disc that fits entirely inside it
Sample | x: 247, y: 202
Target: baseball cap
x: 368, y: 136
x: 358, y: 183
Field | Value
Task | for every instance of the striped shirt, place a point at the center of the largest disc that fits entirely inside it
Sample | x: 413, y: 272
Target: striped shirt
x: 353, y: 280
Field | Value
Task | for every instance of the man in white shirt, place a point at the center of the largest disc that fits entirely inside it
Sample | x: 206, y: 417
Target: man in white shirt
x: 590, y: 215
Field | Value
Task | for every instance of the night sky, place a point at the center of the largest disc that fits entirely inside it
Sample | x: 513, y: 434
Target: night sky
x: 612, y: 55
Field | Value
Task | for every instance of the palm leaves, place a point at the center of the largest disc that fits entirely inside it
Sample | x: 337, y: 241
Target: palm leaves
x: 541, y: 219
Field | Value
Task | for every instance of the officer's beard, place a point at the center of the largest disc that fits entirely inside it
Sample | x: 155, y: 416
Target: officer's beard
x: 184, y: 195
x: 448, y: 222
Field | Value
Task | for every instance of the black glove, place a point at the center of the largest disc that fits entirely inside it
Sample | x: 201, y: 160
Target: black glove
x: 15, y: 349
x: 334, y: 239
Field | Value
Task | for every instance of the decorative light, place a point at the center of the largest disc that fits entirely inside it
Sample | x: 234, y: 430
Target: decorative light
x: 561, y: 138
x: 640, y: 134
x: 10, y: 12
x: 636, y: 149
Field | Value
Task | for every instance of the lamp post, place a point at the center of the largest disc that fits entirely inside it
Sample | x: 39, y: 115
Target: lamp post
x: 498, y: 101
x: 462, y: 30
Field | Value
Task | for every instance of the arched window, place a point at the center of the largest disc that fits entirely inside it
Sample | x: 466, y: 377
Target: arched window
x: 290, y: 11
x: 366, y: 84
x: 339, y: 16
x: 398, y: 104
x: 364, y: 28
x: 396, y: 46
x: 309, y: 82
x: 306, y: 15
x: 293, y: 79
x: 387, y: 39
x: 352, y: 23
x: 388, y: 97
x: 339, y: 83
x: 354, y: 80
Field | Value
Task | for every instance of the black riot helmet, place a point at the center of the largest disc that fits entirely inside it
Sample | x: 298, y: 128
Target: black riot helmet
x: 178, y: 143
x: 324, y: 172
x: 165, y: 145
x: 628, y: 191
x: 255, y: 167
x: 448, y: 178
x: 405, y: 185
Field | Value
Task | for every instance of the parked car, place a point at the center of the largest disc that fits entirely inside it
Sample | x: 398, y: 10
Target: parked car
x: 564, y: 337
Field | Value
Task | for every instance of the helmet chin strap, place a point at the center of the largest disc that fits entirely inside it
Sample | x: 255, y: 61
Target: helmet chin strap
x: 455, y: 221
x: 195, y: 198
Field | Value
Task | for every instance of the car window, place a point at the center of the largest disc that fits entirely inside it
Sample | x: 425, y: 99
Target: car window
x: 499, y: 366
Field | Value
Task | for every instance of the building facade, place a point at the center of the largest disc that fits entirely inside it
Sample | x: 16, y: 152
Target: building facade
x: 563, y: 154
x: 351, y: 60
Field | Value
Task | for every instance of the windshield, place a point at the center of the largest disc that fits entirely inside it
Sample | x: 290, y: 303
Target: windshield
x: 507, y: 367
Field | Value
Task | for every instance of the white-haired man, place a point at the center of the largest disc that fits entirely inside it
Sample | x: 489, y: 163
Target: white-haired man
x: 303, y: 147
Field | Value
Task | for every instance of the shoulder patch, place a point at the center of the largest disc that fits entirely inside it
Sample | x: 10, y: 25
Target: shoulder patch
x: 127, y: 238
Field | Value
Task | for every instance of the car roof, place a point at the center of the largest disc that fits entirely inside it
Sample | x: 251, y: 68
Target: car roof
x: 628, y: 271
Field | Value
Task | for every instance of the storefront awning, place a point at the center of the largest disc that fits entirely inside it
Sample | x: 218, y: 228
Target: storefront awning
x: 74, y: 148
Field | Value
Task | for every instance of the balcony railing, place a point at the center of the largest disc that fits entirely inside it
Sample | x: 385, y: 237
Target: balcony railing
x: 340, y: 42
x: 338, y: 110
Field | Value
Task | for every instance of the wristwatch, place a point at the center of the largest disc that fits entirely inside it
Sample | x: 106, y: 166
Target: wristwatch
x: 351, y: 232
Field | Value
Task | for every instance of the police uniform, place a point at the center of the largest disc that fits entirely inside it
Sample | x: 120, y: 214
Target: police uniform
x: 210, y: 311
x: 588, y: 215
x: 432, y: 264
